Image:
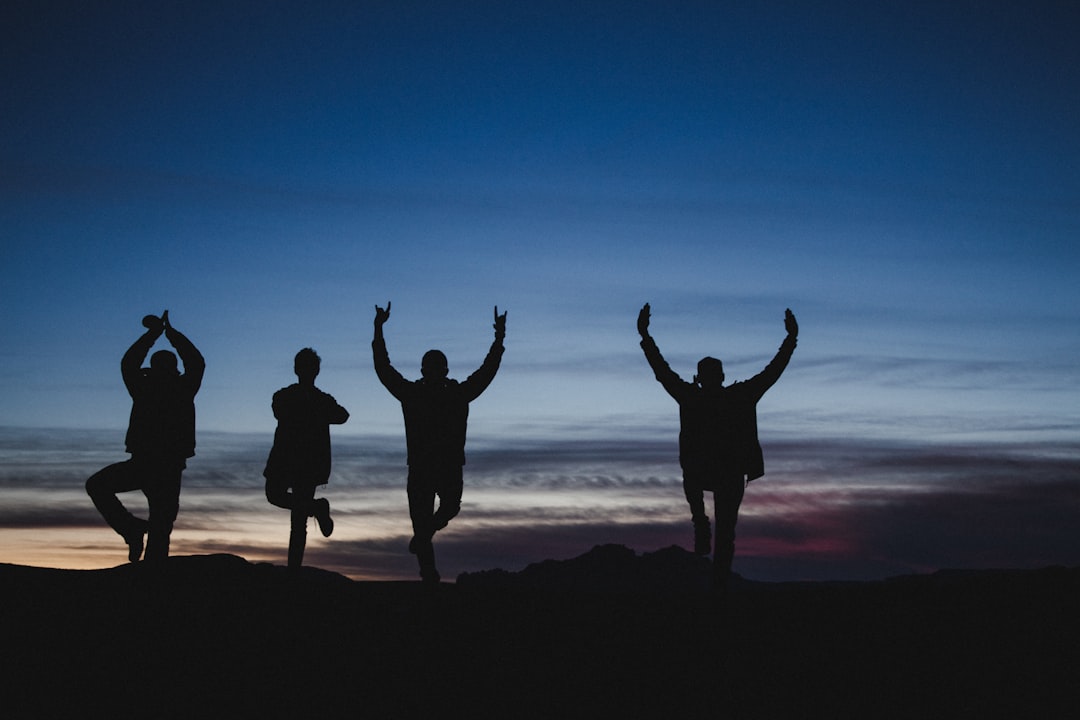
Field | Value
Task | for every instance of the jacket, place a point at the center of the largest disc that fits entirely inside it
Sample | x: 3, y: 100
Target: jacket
x: 436, y: 412
x: 718, y: 433
x: 162, y: 421
x: 301, y: 450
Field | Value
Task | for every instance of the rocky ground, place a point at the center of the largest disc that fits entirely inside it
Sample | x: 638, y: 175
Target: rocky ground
x: 609, y: 634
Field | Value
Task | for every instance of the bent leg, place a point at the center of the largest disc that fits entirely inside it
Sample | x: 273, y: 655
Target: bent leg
x: 449, y: 490
x: 277, y: 492
x: 103, y: 486
x: 695, y: 496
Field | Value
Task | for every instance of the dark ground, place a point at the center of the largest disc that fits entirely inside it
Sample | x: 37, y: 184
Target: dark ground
x: 606, y: 635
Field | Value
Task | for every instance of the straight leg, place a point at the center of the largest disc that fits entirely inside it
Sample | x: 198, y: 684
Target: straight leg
x: 162, y: 490
x: 299, y: 500
x: 301, y: 510
x: 726, y: 498
x: 421, y: 490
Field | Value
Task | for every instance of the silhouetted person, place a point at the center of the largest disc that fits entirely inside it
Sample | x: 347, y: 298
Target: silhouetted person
x: 160, y: 438
x: 436, y: 411
x: 300, y: 459
x: 718, y: 437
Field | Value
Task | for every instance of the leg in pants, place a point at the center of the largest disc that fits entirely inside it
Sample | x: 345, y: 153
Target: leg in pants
x: 103, y: 487
x: 423, y: 487
x: 160, y: 483
x: 300, y: 501
x: 726, y: 498
x: 162, y: 491
x: 695, y: 496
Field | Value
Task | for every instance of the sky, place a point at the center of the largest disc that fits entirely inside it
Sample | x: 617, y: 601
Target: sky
x: 905, y: 176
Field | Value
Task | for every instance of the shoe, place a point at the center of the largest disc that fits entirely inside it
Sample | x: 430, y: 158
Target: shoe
x: 702, y: 536
x: 322, y: 516
x: 430, y: 576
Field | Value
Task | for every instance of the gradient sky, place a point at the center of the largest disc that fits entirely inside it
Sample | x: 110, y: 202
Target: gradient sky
x: 905, y: 176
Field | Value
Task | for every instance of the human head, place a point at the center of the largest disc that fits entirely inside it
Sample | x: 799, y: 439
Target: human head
x: 433, y: 366
x: 306, y: 364
x: 710, y: 372
x: 163, y: 362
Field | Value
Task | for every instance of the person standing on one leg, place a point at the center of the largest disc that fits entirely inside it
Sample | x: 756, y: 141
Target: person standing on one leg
x: 436, y: 410
x: 718, y: 438
x: 160, y: 439
x: 300, y: 459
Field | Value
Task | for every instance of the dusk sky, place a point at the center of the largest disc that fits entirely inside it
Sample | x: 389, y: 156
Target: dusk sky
x: 905, y: 176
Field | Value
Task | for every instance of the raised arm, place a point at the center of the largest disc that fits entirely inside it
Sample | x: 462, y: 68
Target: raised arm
x: 768, y: 377
x: 194, y: 363
x: 675, y: 386
x: 388, y: 376
x: 479, y: 380
x: 131, y: 363
x: 381, y: 316
x: 500, y: 325
x: 643, y: 318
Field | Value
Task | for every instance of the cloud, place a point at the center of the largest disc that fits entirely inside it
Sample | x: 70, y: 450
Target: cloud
x: 936, y: 373
x: 826, y: 509
x: 908, y: 509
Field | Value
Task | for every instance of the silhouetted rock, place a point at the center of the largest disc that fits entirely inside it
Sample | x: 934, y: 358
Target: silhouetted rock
x: 216, y: 636
x: 606, y: 568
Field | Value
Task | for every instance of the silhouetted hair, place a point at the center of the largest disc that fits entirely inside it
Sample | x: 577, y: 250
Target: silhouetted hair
x: 307, y: 363
x: 709, y: 364
x: 709, y: 367
x: 434, y: 364
x: 163, y: 361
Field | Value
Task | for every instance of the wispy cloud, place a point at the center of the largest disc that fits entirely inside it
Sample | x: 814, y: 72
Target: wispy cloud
x: 826, y: 509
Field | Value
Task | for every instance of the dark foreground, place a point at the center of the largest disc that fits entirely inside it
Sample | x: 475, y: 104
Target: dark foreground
x: 216, y: 636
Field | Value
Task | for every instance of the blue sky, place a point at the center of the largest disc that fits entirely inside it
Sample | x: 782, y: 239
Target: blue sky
x: 904, y: 176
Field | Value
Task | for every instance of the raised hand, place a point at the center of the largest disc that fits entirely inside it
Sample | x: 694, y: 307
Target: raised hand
x: 643, y: 320
x: 153, y: 322
x: 381, y: 316
x: 790, y: 325
x: 500, y: 323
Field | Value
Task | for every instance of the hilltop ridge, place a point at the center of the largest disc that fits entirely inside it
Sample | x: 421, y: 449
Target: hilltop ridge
x: 610, y: 633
